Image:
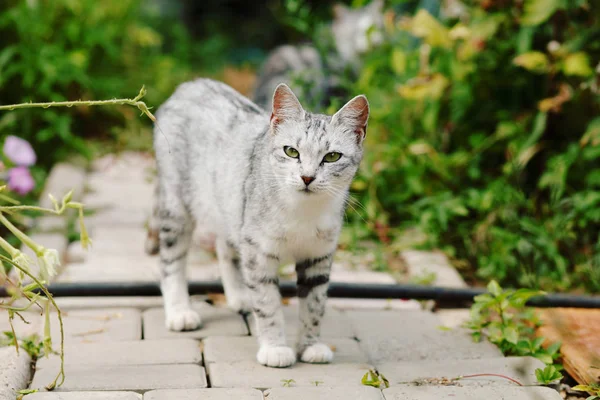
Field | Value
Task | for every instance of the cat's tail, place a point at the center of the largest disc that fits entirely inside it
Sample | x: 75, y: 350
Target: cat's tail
x: 152, y: 240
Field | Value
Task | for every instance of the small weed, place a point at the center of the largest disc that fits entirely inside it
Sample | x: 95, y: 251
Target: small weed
x: 287, y: 382
x: 548, y: 375
x: 317, y: 383
x: 376, y: 379
x: 503, y: 318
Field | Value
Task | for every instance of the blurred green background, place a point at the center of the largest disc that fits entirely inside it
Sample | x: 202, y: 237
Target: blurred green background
x: 484, y: 137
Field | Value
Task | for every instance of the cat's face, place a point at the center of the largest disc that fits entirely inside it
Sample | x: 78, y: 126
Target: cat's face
x: 357, y: 30
x: 315, y: 154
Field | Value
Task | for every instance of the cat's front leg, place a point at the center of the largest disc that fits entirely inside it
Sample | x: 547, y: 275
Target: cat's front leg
x: 260, y: 277
x: 313, y: 281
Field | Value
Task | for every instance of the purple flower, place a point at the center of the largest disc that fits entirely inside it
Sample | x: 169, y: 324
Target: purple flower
x: 20, y: 180
x: 19, y: 151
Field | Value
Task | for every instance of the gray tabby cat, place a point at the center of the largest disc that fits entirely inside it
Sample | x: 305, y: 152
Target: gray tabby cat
x: 272, y: 189
x: 354, y: 31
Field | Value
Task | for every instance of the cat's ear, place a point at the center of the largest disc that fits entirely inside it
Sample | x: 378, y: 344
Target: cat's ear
x: 354, y: 116
x: 339, y: 11
x: 285, y: 105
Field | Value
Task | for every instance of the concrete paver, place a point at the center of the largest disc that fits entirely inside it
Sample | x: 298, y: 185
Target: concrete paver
x: 138, y: 378
x: 431, y: 372
x: 324, y: 393
x: 426, y: 262
x: 122, y: 353
x: 334, y: 323
x: 215, y: 322
x: 96, y: 325
x: 205, y: 394
x: 413, y: 336
x: 85, y: 396
x: 78, y: 303
x: 470, y: 393
x: 229, y: 349
x: 15, y: 372
x: 246, y: 374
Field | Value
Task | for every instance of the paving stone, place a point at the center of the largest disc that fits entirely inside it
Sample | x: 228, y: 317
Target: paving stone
x: 334, y: 324
x: 519, y: 368
x: 324, y: 393
x: 229, y: 349
x: 420, y: 263
x: 112, y: 268
x: 85, y: 396
x: 62, y: 178
x: 134, y: 377
x: 139, y: 352
x: 244, y: 374
x: 361, y: 276
x: 111, y: 324
x: 15, y: 372
x: 77, y: 303
x: 76, y: 253
x: 413, y: 336
x: 205, y: 394
x: 453, y: 318
x: 116, y: 216
x: 470, y: 393
x: 22, y: 329
x: 216, y: 321
x: 341, y: 303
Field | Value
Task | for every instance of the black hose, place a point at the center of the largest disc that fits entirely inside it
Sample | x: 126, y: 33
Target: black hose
x: 445, y: 297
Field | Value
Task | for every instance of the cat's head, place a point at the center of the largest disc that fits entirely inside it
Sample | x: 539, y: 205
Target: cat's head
x: 314, y: 154
x: 357, y: 30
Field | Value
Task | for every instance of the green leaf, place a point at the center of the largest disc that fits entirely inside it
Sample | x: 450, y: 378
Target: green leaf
x: 577, y: 64
x: 511, y: 335
x: 494, y: 288
x: 538, y: 11
x: 533, y: 61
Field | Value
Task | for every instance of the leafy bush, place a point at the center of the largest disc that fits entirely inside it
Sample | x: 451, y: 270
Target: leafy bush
x: 484, y: 137
x: 68, y: 50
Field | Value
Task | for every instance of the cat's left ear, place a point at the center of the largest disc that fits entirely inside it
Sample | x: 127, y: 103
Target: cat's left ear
x: 354, y: 116
x: 285, y: 106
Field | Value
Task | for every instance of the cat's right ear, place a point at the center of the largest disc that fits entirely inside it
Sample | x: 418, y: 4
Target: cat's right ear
x: 285, y: 106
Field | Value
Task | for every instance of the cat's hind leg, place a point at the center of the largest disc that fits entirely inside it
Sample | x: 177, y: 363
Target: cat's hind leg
x: 175, y: 232
x: 237, y: 294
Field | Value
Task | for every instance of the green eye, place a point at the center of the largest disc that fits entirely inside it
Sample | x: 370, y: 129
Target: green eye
x: 291, y: 152
x: 332, y: 157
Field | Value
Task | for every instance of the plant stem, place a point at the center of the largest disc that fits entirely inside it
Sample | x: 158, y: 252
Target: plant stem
x: 61, y: 373
x: 497, y: 375
x: 135, y: 102
x: 20, y: 235
x: 8, y: 247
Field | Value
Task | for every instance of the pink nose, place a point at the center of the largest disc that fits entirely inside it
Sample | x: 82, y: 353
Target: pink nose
x: 307, y: 179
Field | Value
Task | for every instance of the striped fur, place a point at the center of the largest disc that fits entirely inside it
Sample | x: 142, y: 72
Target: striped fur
x: 221, y: 162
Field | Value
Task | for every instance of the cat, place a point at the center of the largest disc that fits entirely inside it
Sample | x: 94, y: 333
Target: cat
x: 271, y: 186
x: 307, y: 72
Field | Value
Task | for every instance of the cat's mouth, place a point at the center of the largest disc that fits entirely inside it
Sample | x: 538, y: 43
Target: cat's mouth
x: 307, y: 191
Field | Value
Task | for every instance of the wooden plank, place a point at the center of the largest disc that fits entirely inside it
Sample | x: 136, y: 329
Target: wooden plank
x: 579, y: 332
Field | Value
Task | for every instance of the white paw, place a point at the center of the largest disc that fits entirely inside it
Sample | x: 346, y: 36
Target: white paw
x: 182, y: 319
x: 276, y: 356
x: 239, y: 302
x: 318, y: 353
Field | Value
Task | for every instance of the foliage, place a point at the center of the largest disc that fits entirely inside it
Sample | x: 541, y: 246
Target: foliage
x: 503, y: 318
x: 548, y: 375
x: 484, y: 137
x: 593, y: 389
x: 48, y: 54
x: 376, y: 379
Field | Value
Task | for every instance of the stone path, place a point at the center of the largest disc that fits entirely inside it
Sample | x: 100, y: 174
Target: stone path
x: 119, y: 349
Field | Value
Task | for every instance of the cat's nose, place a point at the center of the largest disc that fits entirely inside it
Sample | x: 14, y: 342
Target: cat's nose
x: 307, y: 179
